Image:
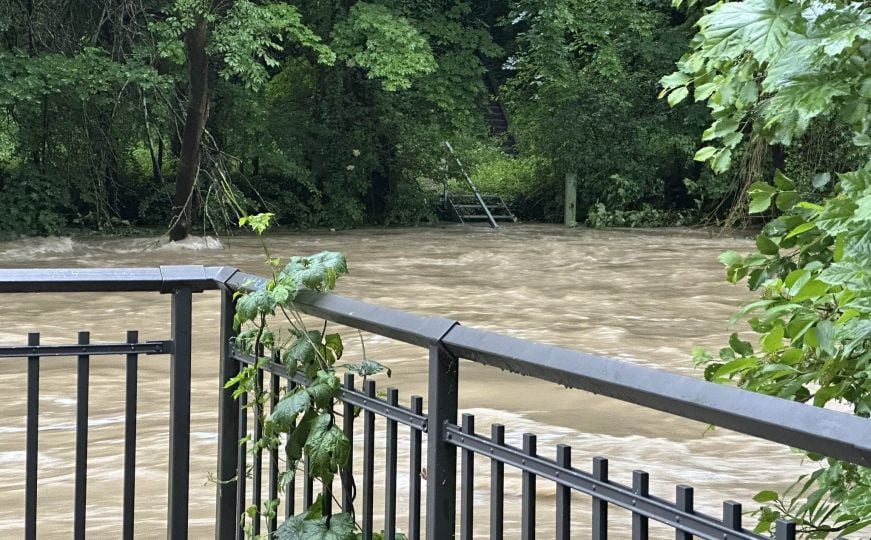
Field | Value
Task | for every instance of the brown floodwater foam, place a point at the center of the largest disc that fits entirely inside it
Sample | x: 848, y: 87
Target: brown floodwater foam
x: 645, y: 296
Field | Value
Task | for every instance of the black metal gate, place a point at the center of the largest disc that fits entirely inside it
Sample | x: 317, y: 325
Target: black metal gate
x: 830, y: 433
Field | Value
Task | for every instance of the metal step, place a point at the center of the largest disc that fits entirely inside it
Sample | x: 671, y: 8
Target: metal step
x: 484, y: 216
x: 490, y: 206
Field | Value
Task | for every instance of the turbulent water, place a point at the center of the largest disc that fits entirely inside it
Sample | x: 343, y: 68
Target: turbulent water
x: 642, y: 296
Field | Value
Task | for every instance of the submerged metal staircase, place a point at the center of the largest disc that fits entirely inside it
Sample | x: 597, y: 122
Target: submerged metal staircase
x: 476, y: 206
x: 467, y: 207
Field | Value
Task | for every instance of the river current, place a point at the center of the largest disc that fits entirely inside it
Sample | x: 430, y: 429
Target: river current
x: 644, y: 296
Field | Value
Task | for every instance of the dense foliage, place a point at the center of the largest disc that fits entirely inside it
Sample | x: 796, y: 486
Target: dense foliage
x: 334, y: 113
x: 770, y: 70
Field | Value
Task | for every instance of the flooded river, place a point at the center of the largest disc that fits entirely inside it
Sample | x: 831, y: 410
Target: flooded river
x: 642, y: 296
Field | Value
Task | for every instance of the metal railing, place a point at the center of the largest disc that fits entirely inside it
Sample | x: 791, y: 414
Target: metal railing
x: 826, y: 432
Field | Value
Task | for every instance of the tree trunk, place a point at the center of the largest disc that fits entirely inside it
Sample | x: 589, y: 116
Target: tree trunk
x: 195, y: 121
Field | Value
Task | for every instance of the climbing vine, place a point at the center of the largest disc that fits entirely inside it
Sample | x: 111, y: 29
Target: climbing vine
x: 271, y: 329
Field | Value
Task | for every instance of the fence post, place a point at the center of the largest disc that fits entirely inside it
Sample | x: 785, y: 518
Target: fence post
x: 179, y: 414
x: 228, y: 428
x: 441, y: 491
x: 571, y: 200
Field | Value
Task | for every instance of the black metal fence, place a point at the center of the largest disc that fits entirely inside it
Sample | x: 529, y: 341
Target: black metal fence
x: 823, y: 431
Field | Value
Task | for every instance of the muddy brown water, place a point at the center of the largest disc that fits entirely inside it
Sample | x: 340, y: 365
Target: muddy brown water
x: 645, y: 296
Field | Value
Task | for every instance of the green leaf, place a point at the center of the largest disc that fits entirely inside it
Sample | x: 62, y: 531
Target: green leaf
x: 302, y: 351
x: 327, y: 448
x: 773, y: 341
x: 804, y: 227
x: 766, y: 246
x: 781, y: 181
x: 282, y: 294
x: 729, y: 258
x: 821, y: 179
x: 317, y: 272
x: 743, y: 348
x: 825, y: 336
x: 720, y: 128
x: 836, y: 215
x: 838, y: 252
x: 304, y: 527
x: 290, y: 406
x: 298, y: 436
x: 760, y: 196
x: 766, y: 496
x: 704, y: 91
x: 728, y: 369
x: 258, y: 222
x: 812, y: 289
x: 862, y: 139
x: 854, y: 183
x: 674, y: 80
x: 334, y: 347
x: 324, y: 388
x: 795, y: 276
x: 846, y: 274
x: 791, y: 356
x: 704, y: 154
x: 759, y: 26
x: 722, y: 160
x: 785, y: 200
x: 677, y: 95
x: 796, y: 280
x: 368, y: 367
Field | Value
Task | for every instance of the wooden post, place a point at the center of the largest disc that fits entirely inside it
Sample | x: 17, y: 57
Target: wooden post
x: 571, y: 199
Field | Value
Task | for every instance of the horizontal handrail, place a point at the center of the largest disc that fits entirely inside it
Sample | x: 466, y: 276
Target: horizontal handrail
x: 161, y: 279
x: 90, y: 349
x: 832, y: 433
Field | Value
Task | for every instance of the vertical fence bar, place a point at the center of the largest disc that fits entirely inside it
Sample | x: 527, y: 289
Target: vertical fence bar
x: 390, y: 475
x: 467, y: 483
x: 497, y: 486
x: 242, y: 463
x: 257, y: 458
x: 274, y: 387
x: 441, y: 492
x: 527, y: 513
x: 308, y: 485
x: 228, y: 472
x: 327, y: 488
x: 732, y: 515
x: 784, y: 530
x: 414, y: 470
x: 563, y: 495
x: 131, y: 383
x: 32, y: 444
x: 290, y: 488
x: 347, y: 472
x: 179, y: 414
x: 83, y: 370
x: 684, y: 501
x: 368, y: 461
x: 641, y: 487
x: 600, y: 507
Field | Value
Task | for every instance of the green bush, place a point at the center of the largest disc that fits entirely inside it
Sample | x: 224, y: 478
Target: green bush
x: 31, y: 203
